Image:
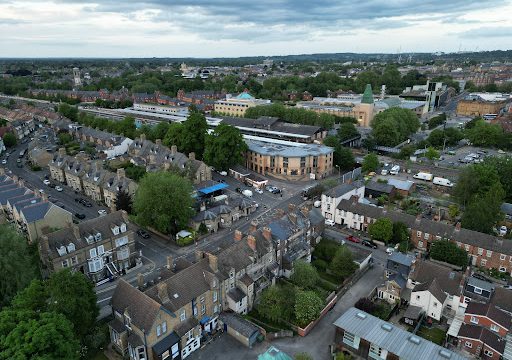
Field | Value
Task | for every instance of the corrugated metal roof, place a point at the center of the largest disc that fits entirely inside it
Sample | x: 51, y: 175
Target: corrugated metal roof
x: 392, y: 338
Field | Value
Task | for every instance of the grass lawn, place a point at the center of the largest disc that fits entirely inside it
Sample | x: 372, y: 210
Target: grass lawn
x: 433, y: 334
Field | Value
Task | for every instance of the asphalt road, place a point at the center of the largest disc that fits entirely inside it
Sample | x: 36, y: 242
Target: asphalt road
x: 34, y: 181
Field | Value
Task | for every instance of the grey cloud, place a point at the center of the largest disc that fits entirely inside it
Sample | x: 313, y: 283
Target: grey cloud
x: 488, y: 32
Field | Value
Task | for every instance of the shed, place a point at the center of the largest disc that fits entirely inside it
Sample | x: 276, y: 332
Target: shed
x: 241, y: 329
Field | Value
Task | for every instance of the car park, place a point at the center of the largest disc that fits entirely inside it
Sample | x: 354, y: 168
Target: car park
x: 143, y: 234
x: 369, y: 243
x: 58, y: 188
x: 353, y: 238
x: 329, y: 222
x: 80, y: 216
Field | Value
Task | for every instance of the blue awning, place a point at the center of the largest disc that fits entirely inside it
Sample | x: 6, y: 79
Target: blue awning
x: 204, y: 320
x: 211, y: 189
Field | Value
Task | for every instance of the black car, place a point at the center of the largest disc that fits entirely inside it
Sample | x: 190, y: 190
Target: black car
x: 143, y: 234
x: 369, y: 244
x: 238, y: 190
x: 80, y: 216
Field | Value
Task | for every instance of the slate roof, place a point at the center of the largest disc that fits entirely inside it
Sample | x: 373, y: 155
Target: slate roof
x: 141, y: 308
x: 184, y: 286
x: 448, y: 280
x: 35, y: 212
x: 399, y: 279
x: 379, y: 187
x: 401, y: 184
x: 413, y: 312
x: 238, y: 323
x: 433, y: 287
x: 400, y: 258
x: 246, y: 280
x: 490, y: 311
x: 10, y: 192
x: 396, y: 340
x: 502, y: 298
x: 436, y: 228
x: 183, y: 327
x: 236, y: 294
x: 340, y: 190
x: 483, y: 334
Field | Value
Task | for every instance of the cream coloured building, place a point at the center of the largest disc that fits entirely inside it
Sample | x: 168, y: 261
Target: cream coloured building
x: 237, y: 106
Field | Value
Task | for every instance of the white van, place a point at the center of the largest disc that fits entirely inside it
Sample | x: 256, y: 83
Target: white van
x: 395, y: 170
x: 442, y: 181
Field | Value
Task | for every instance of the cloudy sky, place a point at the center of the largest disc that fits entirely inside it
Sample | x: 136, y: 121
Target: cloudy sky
x: 225, y: 28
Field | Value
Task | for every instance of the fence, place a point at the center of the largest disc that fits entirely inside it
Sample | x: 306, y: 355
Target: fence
x: 351, y: 175
x: 279, y: 334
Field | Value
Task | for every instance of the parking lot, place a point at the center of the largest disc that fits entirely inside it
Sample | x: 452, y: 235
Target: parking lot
x: 460, y: 157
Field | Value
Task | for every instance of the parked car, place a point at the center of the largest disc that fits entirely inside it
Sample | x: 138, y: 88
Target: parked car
x: 143, y: 234
x: 269, y: 188
x: 353, y: 238
x: 369, y: 244
x: 58, y: 188
x: 80, y: 216
x: 390, y: 250
x: 329, y: 222
x: 4, y: 162
x: 276, y: 190
x: 46, y: 182
x: 223, y: 173
x: 102, y: 212
x: 258, y: 190
x: 41, y: 191
x: 503, y: 230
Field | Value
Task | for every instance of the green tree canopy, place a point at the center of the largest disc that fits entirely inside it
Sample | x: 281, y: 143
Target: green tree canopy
x: 18, y: 264
x: 342, y: 265
x: 193, y: 135
x: 307, y: 307
x: 163, y: 201
x: 484, y: 134
x: 225, y: 147
x: 432, y: 153
x: 447, y: 251
x: 9, y: 139
x: 304, y: 275
x: 271, y: 303
x: 174, y: 136
x: 370, y: 162
x: 347, y: 131
x: 475, y: 180
x: 381, y: 230
x: 484, y: 210
x: 400, y: 233
x: 394, y: 125
x: 124, y: 201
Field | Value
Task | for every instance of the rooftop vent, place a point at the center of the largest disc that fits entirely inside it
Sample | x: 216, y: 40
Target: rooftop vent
x: 452, y: 275
x: 387, y: 327
x: 415, y: 340
x: 445, y: 353
x: 361, y: 315
x: 175, y: 296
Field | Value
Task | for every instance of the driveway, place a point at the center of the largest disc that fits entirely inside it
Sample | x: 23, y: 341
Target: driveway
x: 316, y: 343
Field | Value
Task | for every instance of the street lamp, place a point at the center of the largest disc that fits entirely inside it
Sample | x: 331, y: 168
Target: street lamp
x: 339, y: 170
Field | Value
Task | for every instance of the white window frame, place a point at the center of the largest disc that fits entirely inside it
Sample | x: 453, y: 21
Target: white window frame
x: 101, y: 250
x: 164, y: 327
x: 474, y: 320
x: 495, y: 328
x: 488, y: 353
x: 477, y: 290
x: 468, y: 344
x: 502, y: 269
x: 483, y: 262
x: 503, y: 256
x: 214, y: 295
x: 65, y: 263
x: 92, y: 253
x: 480, y: 251
x: 183, y: 315
x: 489, y: 253
x: 158, y: 330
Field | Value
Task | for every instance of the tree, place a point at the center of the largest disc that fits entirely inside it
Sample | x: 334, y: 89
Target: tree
x: 9, y: 140
x: 366, y: 305
x: 483, y: 212
x: 475, y: 180
x: 484, y: 134
x: 453, y: 211
x: 400, y: 233
x: 347, y: 131
x: 447, y: 251
x: 225, y: 147
x: 163, y: 201
x: 432, y: 154
x: 174, y: 136
x: 124, y: 201
x: 381, y: 230
x: 71, y: 112
x: 40, y: 336
x: 194, y: 134
x: 394, y: 125
x: 307, y: 307
x: 345, y: 158
x: 436, y: 121
x: 370, y: 162
x: 304, y: 275
x: 270, y: 305
x: 18, y: 264
x: 342, y: 265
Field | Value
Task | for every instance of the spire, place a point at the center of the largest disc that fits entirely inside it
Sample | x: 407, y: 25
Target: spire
x: 368, y: 95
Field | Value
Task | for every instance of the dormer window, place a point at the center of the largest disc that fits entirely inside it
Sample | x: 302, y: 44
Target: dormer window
x: 115, y: 230
x: 97, y: 237
x: 61, y: 250
x: 89, y: 239
x: 123, y: 227
x: 71, y: 247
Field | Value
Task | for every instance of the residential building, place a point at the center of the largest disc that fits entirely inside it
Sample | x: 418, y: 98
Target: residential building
x: 488, y: 316
x: 238, y: 105
x: 430, y: 298
x: 274, y: 353
x: 367, y: 336
x: 74, y: 170
x: 481, y: 342
x: 241, y: 329
x: 375, y: 189
x: 58, y: 164
x: 92, y: 181
x: 332, y: 197
x: 114, y: 183
x: 288, y: 160
x: 485, y: 250
x: 100, y: 248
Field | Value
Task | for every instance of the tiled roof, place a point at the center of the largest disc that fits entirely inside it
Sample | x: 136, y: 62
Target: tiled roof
x: 502, y: 298
x: 448, y: 280
x: 490, y: 311
x: 37, y: 211
x: 238, y: 323
x: 141, y: 308
x: 483, y: 334
x: 433, y: 287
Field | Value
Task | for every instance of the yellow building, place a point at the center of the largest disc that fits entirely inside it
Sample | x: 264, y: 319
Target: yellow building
x: 479, y: 104
x: 238, y: 105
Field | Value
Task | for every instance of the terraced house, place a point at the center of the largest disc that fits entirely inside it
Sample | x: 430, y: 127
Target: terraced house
x: 100, y: 248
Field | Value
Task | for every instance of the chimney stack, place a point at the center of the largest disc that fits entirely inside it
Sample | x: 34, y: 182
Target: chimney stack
x: 251, y: 241
x: 140, y: 281
x: 174, y: 149
x: 170, y: 262
x: 120, y: 173
x: 457, y: 226
x: 213, y: 262
x: 162, y: 292
x: 2, y: 171
x: 21, y: 182
x: 143, y: 137
x: 293, y: 218
x: 158, y: 141
x: 418, y: 219
x: 291, y: 207
x: 198, y: 254
x: 62, y: 151
x: 267, y: 233
x: 253, y: 227
x: 76, y: 231
x: 305, y: 211
x: 238, y: 235
x: 192, y: 156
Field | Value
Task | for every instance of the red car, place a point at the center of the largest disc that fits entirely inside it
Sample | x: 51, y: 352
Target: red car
x: 353, y: 239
